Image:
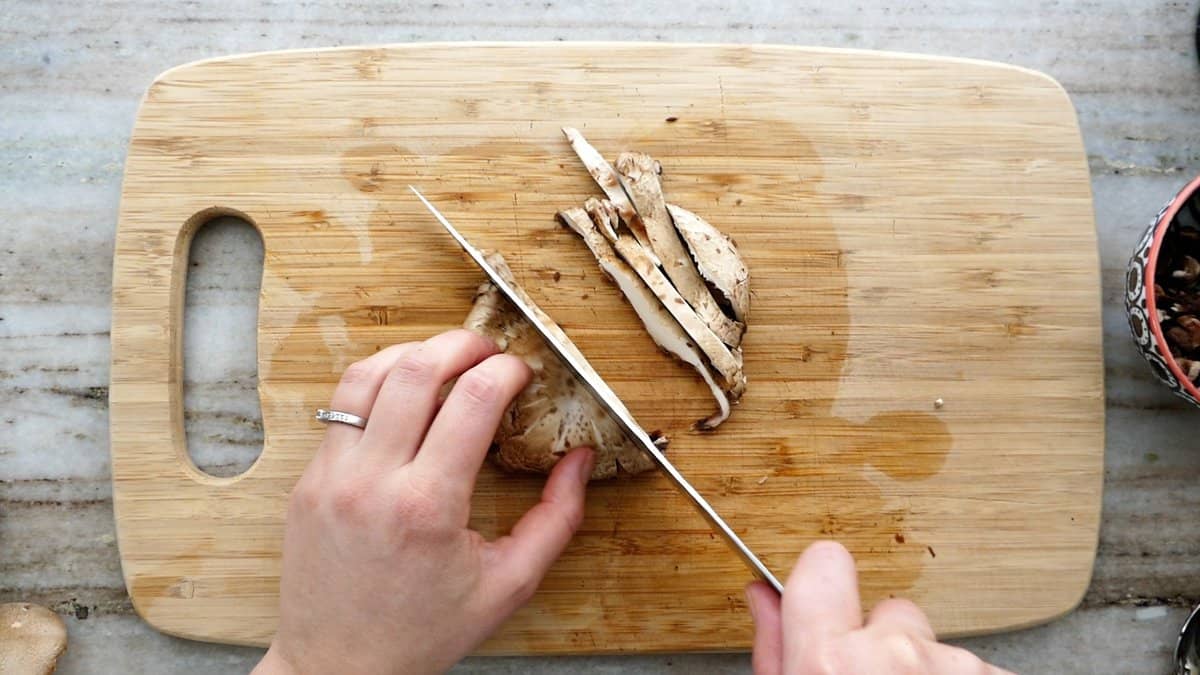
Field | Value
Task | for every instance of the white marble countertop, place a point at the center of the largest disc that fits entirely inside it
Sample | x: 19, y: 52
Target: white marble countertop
x: 71, y: 75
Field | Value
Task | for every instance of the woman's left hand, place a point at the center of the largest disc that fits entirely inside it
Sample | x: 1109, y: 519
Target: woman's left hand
x: 380, y: 572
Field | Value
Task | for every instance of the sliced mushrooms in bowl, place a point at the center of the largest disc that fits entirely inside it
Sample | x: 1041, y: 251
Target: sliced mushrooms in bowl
x: 1162, y: 294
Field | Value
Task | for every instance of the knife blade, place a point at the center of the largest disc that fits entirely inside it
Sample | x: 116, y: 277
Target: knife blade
x: 612, y: 405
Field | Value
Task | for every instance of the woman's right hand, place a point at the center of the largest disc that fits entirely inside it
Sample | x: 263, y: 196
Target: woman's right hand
x: 817, y: 628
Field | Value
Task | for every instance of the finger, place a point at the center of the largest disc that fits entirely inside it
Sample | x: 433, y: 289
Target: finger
x: 459, y: 437
x: 950, y: 660
x: 898, y: 614
x: 539, y: 537
x: 356, y: 392
x: 820, y: 600
x: 408, y: 397
x: 765, y: 609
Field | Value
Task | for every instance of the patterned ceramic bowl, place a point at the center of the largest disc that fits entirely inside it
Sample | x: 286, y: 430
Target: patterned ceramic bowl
x: 1139, y: 293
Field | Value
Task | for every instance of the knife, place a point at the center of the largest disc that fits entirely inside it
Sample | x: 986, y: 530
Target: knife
x: 612, y: 404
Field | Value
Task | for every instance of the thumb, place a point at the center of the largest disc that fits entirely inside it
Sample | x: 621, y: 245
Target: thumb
x: 764, y: 605
x: 540, y: 536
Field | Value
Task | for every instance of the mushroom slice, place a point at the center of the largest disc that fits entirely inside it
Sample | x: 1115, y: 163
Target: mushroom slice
x: 31, y: 639
x: 640, y: 172
x: 555, y: 412
x: 716, y: 258
x: 610, y: 182
x: 663, y: 328
x: 726, y: 362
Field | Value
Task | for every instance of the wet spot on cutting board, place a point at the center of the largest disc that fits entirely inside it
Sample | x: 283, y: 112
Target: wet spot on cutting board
x: 830, y: 472
x: 835, y: 484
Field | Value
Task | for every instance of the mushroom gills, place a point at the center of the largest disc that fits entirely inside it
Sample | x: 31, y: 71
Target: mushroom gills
x: 32, y: 638
x: 556, y: 412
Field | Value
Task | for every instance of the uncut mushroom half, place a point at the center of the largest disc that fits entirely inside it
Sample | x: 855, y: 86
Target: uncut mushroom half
x: 555, y: 412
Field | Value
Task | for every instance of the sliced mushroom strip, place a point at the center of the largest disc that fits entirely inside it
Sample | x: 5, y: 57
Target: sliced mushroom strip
x: 717, y: 258
x: 556, y: 412
x: 662, y: 327
x: 640, y: 172
x: 726, y: 362
x: 610, y: 182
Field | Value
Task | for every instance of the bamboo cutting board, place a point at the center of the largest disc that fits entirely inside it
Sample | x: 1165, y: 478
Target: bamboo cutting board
x: 918, y: 230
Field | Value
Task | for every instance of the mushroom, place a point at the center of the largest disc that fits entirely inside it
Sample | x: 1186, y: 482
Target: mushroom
x: 662, y: 327
x: 610, y: 182
x: 726, y: 362
x: 1189, y: 272
x: 640, y: 173
x: 686, y: 282
x: 1190, y: 368
x: 717, y: 259
x: 556, y: 412
x: 1187, y: 333
x: 31, y: 639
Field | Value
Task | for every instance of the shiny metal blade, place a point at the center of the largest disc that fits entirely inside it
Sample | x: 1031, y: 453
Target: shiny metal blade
x: 611, y: 403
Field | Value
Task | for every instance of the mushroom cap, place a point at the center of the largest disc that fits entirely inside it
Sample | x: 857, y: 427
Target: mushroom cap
x: 31, y: 639
x: 555, y: 412
x: 716, y: 257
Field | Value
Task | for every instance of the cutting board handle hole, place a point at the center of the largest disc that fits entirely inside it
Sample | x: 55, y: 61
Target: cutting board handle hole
x: 222, y: 415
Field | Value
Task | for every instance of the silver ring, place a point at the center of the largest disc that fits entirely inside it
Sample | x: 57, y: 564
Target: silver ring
x: 326, y: 416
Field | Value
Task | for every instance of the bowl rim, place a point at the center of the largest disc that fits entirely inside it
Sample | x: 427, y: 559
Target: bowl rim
x: 1164, y: 222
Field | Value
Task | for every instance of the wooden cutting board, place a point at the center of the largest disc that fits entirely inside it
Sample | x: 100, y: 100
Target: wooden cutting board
x: 918, y: 230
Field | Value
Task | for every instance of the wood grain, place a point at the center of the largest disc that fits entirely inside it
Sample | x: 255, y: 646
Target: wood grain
x: 917, y: 228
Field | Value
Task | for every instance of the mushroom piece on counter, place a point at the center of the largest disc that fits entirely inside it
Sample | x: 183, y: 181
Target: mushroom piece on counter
x: 684, y: 278
x: 726, y: 363
x: 31, y: 639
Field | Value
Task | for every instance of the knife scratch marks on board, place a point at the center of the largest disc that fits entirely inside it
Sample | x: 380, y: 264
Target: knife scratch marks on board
x: 370, y: 66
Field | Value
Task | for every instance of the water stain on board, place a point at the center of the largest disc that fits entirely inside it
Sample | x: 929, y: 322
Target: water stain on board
x: 759, y: 181
x: 838, y: 457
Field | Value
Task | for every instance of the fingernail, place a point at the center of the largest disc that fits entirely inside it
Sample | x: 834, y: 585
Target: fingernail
x: 585, y: 466
x: 750, y: 603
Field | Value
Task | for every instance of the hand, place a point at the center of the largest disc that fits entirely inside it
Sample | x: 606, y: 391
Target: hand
x: 380, y: 572
x: 817, y: 627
